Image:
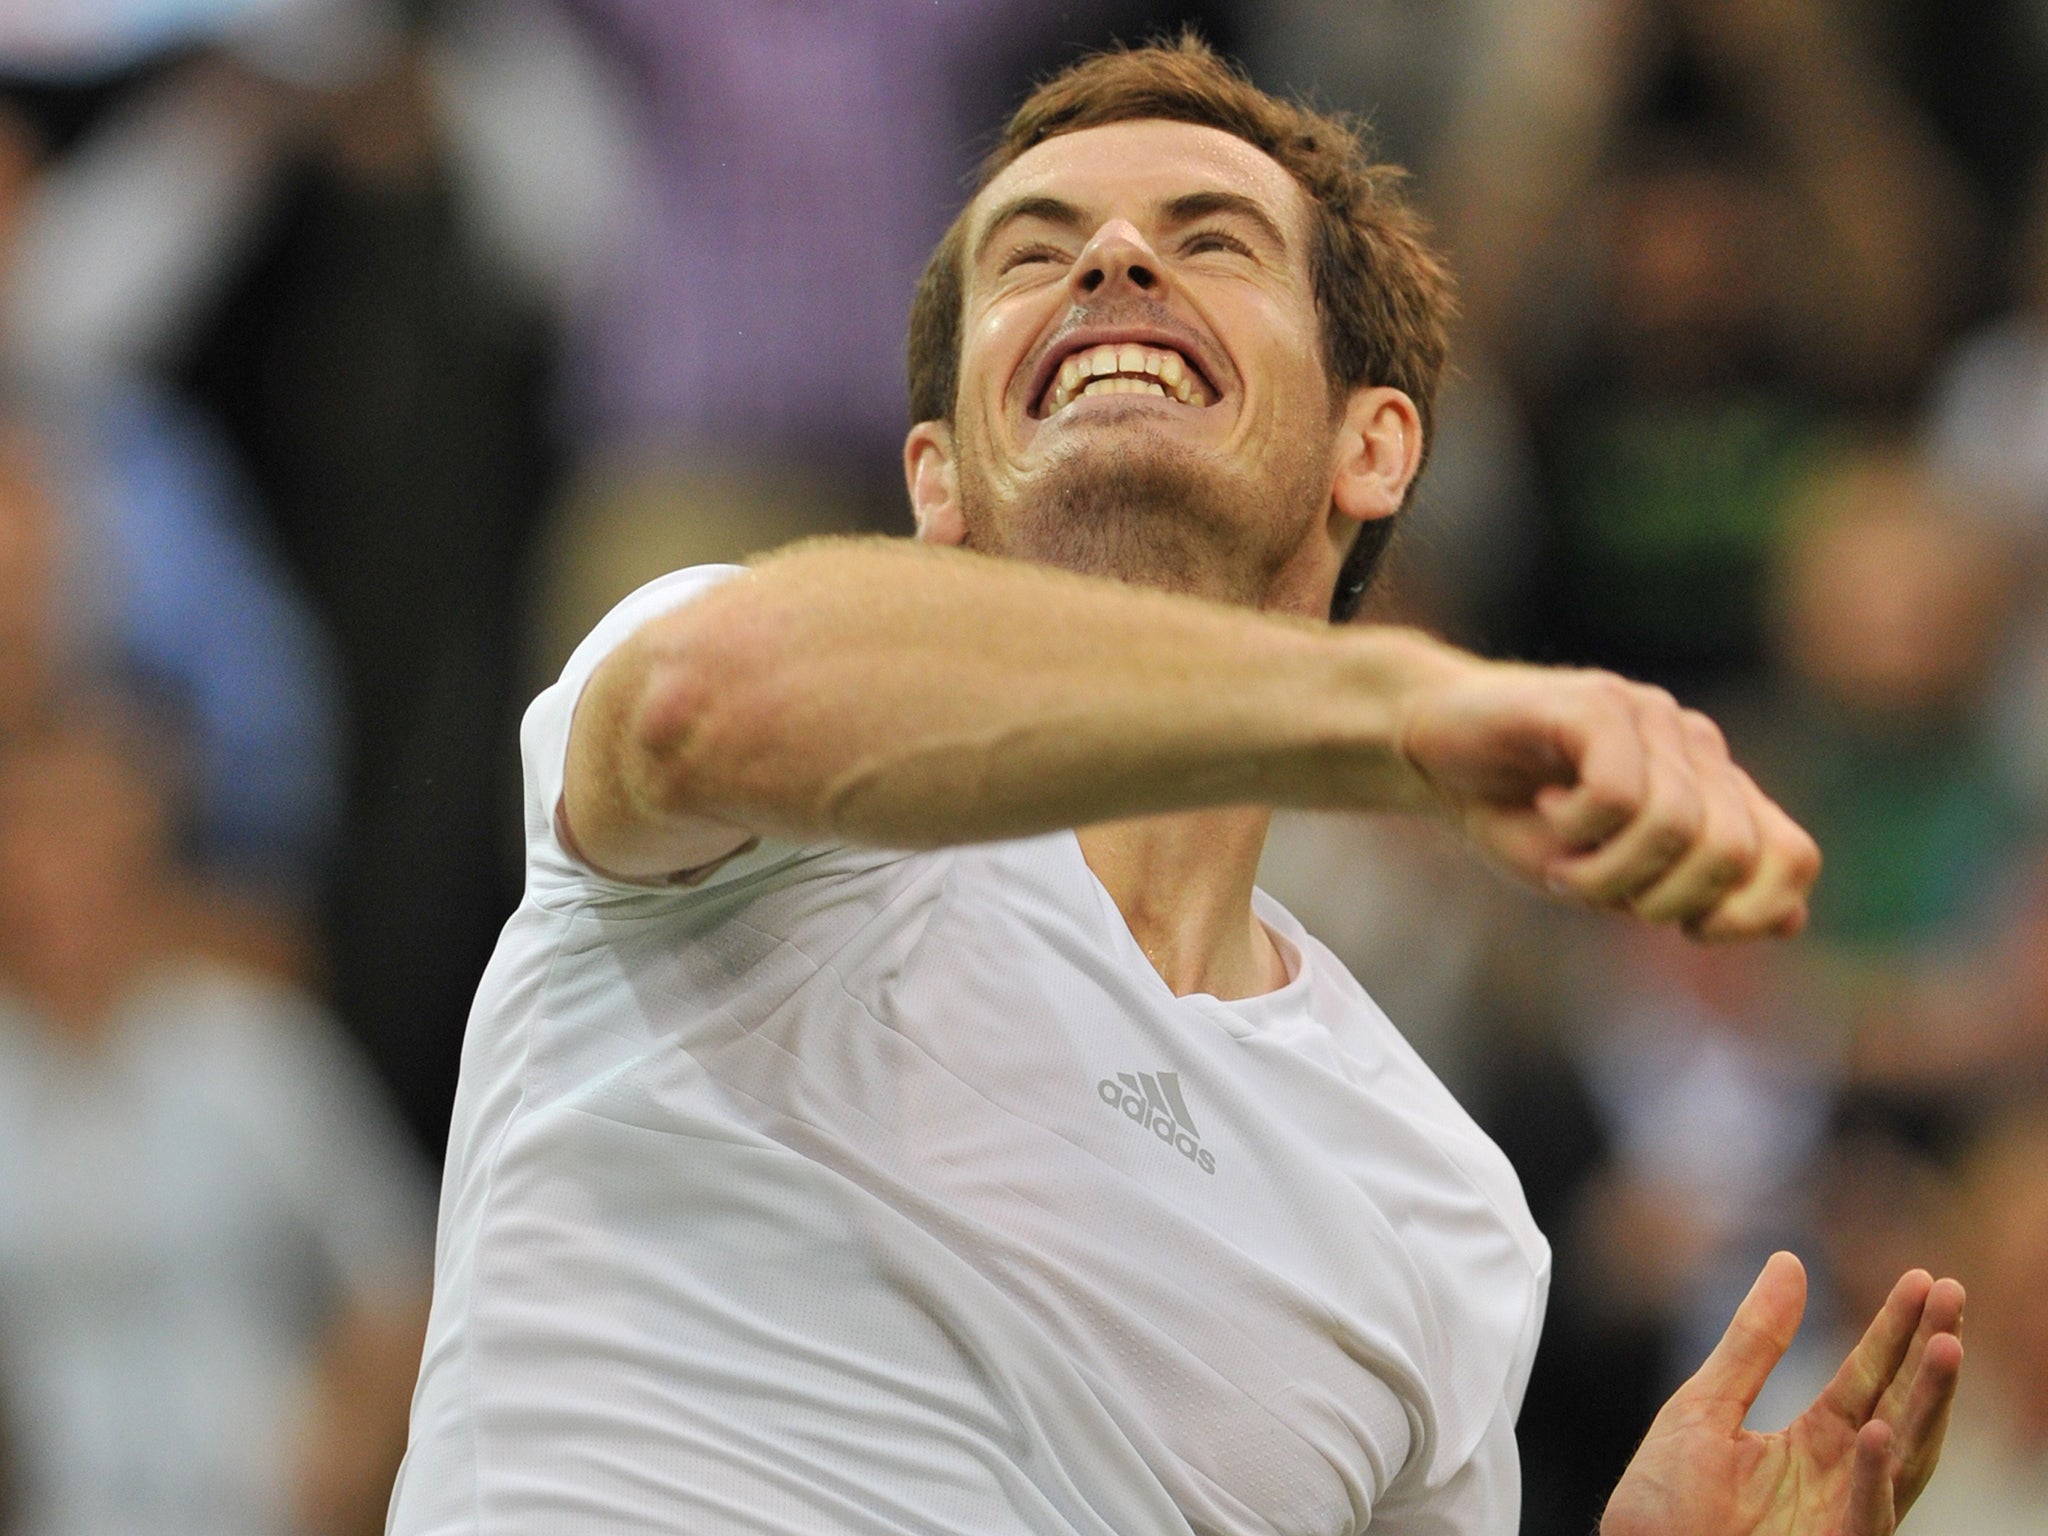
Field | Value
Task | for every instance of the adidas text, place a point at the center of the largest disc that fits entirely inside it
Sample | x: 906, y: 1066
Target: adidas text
x: 1153, y: 1100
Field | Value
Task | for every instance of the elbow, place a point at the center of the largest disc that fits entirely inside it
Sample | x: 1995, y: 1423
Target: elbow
x: 705, y: 722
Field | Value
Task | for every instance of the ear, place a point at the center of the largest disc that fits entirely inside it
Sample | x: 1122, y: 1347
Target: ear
x: 934, y: 483
x: 1379, y: 448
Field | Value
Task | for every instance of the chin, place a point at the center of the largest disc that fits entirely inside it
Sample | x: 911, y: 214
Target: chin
x: 1140, y: 508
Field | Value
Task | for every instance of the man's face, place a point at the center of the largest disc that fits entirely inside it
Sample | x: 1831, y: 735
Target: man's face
x: 1142, y: 392
x: 82, y: 842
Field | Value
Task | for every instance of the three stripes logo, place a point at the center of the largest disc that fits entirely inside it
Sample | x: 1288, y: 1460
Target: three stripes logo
x: 1153, y: 1100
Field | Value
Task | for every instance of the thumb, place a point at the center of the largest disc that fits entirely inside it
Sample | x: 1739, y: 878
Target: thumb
x: 1724, y: 1388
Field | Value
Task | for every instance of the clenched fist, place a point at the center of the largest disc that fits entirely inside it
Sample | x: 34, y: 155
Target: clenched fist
x: 1609, y: 792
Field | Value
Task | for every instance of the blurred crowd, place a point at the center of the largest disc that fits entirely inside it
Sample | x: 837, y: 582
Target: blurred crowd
x: 356, y: 355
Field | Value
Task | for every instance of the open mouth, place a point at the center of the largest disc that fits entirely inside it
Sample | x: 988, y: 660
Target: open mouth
x: 1124, y: 368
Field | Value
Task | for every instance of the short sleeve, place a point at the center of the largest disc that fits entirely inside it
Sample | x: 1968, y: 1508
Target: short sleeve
x: 552, y: 869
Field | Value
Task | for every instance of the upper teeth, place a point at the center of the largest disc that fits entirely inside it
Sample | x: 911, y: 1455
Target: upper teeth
x: 1128, y: 369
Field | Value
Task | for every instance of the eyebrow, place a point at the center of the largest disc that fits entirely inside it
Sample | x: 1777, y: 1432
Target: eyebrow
x: 1192, y: 206
x: 1053, y: 210
x: 1185, y: 209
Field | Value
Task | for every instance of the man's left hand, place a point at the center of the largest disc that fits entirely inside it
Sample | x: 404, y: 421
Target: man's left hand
x: 1851, y: 1465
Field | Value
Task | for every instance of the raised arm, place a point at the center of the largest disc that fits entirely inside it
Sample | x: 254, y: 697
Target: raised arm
x: 1878, y: 220
x: 899, y: 695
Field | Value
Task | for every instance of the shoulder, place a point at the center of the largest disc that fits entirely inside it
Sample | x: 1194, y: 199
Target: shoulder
x: 556, y: 869
x: 224, y: 1020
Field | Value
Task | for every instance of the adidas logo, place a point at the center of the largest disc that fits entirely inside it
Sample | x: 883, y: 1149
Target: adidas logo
x: 1153, y: 1100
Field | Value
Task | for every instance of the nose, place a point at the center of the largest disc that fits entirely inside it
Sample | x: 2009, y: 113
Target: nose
x: 1117, y: 254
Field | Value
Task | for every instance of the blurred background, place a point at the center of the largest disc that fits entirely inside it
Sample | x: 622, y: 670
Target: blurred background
x: 356, y: 355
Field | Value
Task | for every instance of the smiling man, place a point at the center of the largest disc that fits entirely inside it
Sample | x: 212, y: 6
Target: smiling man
x: 847, y: 1144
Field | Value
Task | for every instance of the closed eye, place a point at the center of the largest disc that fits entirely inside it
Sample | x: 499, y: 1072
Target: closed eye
x: 1213, y: 240
x: 1025, y: 255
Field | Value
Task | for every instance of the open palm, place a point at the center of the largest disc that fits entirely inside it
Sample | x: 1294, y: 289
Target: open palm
x: 1851, y: 1465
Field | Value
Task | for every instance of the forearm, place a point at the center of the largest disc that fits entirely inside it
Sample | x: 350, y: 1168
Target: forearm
x: 894, y: 694
x: 361, y: 1387
x: 1879, y: 211
x: 1536, y: 129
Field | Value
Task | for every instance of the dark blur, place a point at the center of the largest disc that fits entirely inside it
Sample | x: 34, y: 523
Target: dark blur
x: 357, y: 355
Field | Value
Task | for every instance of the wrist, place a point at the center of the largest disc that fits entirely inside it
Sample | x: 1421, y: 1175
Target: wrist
x: 1388, y: 674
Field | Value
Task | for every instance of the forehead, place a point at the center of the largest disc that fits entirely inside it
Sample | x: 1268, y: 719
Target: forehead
x: 1125, y: 170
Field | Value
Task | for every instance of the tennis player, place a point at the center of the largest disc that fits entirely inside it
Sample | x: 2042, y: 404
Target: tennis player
x: 893, y: 1109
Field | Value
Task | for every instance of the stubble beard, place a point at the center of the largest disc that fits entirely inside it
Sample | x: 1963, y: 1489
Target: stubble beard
x: 1152, y: 513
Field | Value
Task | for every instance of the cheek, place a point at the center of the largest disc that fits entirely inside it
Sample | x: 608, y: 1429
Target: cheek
x: 1282, y: 353
x: 992, y: 347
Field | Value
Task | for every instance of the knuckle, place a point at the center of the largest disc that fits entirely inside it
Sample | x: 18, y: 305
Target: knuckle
x: 1730, y: 867
x: 1798, y: 854
x: 1609, y: 691
x: 1650, y: 696
x: 1610, y: 802
x: 1676, y: 824
x: 1665, y: 844
x: 1702, y: 732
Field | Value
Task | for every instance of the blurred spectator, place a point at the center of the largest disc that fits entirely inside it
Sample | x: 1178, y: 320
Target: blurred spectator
x: 1665, y: 1137
x: 1893, y: 605
x: 1689, y: 230
x: 151, y: 570
x: 1994, y: 1479
x: 1987, y: 432
x: 213, y: 1238
x: 1968, y: 1019
x: 170, y: 123
x: 386, y: 382
x: 1404, y: 65
x: 1924, y: 1187
x: 127, y: 548
x: 298, y: 211
x: 1988, y: 413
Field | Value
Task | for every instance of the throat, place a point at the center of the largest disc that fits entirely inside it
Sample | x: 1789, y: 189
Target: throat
x: 1184, y: 886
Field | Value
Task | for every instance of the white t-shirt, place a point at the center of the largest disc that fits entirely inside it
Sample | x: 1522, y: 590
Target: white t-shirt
x: 864, y: 1192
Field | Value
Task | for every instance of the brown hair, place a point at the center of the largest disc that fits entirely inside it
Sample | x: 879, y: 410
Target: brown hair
x: 1383, y: 294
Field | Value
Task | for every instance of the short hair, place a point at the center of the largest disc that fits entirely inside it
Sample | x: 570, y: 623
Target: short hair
x: 1384, y: 296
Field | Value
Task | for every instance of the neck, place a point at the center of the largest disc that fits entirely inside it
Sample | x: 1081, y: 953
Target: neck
x: 79, y: 1007
x: 1184, y: 885
x: 79, y: 989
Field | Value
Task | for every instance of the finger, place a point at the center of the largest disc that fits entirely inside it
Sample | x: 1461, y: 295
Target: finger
x: 1772, y: 901
x: 1926, y: 1418
x: 1597, y: 728
x: 1874, y: 1363
x: 1941, y: 1313
x: 1725, y: 1387
x: 1870, y: 1484
x: 1728, y: 846
x: 1663, y: 829
x: 1924, y: 1423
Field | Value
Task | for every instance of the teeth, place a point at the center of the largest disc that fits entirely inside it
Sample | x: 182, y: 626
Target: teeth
x: 1126, y: 369
x: 1117, y: 385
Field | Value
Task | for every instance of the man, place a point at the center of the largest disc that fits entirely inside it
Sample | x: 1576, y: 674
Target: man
x: 212, y: 1232
x: 1043, y: 1181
